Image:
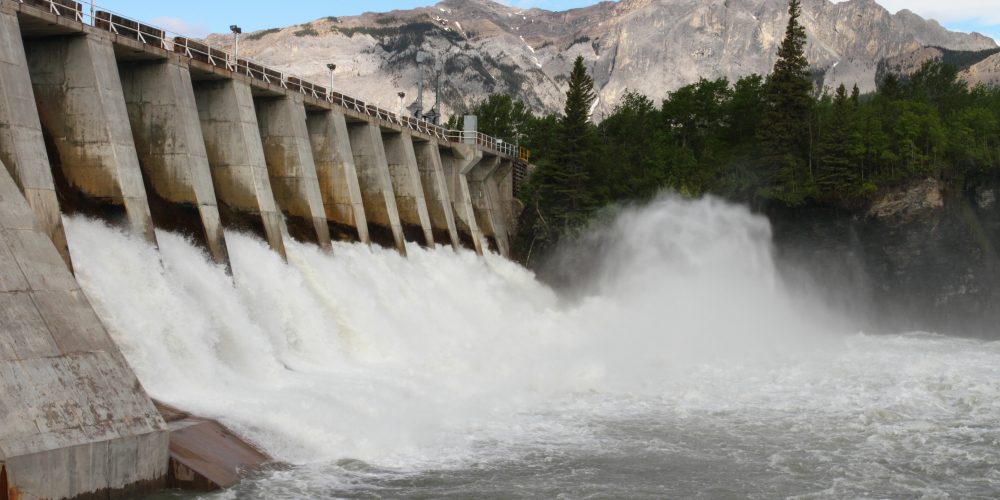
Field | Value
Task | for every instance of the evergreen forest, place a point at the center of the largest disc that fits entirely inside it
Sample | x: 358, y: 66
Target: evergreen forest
x: 761, y: 140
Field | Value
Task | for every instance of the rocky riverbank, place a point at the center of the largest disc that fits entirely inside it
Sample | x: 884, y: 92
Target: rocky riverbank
x: 921, y: 257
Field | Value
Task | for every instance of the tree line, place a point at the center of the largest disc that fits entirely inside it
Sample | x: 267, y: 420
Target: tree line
x: 773, y: 139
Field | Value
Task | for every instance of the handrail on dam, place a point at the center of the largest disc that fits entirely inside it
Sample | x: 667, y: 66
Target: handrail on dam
x: 157, y: 37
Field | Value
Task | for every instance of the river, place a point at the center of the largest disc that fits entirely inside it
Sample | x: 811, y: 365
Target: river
x: 681, y: 366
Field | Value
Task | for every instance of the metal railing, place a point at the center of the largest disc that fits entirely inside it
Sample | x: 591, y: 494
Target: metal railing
x: 199, y: 51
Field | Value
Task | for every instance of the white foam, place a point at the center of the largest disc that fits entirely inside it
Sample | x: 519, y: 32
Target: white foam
x: 430, y: 360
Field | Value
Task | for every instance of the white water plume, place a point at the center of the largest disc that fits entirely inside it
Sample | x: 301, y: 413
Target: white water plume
x: 424, y: 361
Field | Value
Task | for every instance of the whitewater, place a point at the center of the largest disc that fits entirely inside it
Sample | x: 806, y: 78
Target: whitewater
x: 681, y: 364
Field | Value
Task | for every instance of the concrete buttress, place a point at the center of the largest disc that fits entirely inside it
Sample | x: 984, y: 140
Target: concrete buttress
x: 80, y: 103
x: 22, y: 146
x: 289, y: 158
x: 338, y: 177
x: 456, y: 161
x: 435, y: 186
x: 376, y: 184
x: 236, y: 157
x: 406, y: 184
x: 74, y: 420
x: 483, y: 192
x: 167, y: 133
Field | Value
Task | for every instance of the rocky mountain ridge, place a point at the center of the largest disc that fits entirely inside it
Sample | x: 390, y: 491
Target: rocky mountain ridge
x: 650, y: 46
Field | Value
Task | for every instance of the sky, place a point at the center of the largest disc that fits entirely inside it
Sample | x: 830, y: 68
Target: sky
x: 216, y: 15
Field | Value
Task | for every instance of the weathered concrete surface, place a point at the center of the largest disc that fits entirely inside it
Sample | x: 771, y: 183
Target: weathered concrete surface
x: 456, y: 162
x: 236, y: 156
x: 22, y: 147
x: 167, y: 134
x: 288, y: 154
x: 74, y: 420
x: 80, y: 103
x: 376, y: 184
x: 501, y: 186
x: 435, y: 186
x: 406, y: 184
x: 482, y: 188
x: 338, y: 177
x: 204, y: 455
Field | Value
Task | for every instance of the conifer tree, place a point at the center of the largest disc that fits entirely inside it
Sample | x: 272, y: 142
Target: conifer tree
x: 837, y: 175
x: 785, y: 128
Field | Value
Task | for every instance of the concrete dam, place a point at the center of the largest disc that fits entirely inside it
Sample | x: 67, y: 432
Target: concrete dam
x: 104, y: 116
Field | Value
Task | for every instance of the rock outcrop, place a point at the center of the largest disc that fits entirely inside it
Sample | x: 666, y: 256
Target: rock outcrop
x: 652, y: 46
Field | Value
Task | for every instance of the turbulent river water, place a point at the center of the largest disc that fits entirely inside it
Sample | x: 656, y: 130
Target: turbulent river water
x: 684, y: 367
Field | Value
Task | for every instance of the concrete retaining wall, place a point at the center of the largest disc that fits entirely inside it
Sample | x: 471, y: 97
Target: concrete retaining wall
x: 236, y: 156
x: 435, y: 186
x: 22, y: 147
x: 74, y: 420
x: 167, y: 134
x: 407, y: 186
x: 79, y: 97
x: 290, y: 164
x: 338, y: 177
x: 376, y: 184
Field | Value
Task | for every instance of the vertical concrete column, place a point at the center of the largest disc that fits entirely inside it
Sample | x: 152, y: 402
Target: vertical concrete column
x: 338, y: 177
x: 376, y: 184
x: 22, y: 147
x: 406, y: 184
x: 456, y: 162
x: 236, y: 157
x: 436, y: 192
x: 484, y: 203
x: 80, y: 102
x: 290, y: 165
x: 167, y: 134
x: 501, y: 190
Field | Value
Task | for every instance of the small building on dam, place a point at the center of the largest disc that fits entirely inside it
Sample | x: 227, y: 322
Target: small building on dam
x: 104, y: 116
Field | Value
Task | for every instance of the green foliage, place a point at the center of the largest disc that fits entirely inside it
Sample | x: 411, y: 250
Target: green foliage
x: 257, y: 35
x: 787, y: 119
x: 715, y: 137
x: 307, y: 31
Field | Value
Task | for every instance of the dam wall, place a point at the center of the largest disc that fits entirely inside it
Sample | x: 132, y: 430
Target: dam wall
x: 113, y: 119
x: 74, y: 420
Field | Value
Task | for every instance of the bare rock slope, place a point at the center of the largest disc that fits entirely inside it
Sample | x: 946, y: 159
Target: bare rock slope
x: 651, y: 46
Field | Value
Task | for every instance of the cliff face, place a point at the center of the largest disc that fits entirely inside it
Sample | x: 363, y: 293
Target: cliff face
x: 920, y: 258
x: 652, y: 46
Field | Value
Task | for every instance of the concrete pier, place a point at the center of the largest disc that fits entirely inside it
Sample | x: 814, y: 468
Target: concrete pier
x: 338, y: 177
x: 167, y: 134
x: 288, y: 154
x: 74, y: 420
x: 79, y: 97
x: 482, y: 189
x: 376, y: 185
x: 406, y: 184
x: 22, y: 146
x: 436, y: 194
x: 456, y: 161
x: 236, y: 156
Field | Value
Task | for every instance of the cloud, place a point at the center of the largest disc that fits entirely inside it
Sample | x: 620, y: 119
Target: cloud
x: 181, y: 27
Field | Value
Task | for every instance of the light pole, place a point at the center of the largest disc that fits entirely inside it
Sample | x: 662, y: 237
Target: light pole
x: 421, y: 58
x: 329, y: 93
x: 439, y: 68
x: 402, y: 95
x: 236, y: 46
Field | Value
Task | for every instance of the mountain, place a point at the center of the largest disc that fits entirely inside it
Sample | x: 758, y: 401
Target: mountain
x: 975, y: 67
x: 651, y: 46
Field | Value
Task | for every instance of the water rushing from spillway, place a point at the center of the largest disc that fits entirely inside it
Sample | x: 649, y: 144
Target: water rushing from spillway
x: 688, y: 368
